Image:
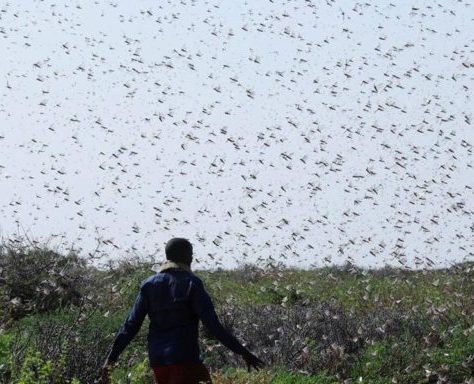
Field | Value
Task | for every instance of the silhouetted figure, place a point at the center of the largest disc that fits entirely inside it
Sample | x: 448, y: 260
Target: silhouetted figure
x: 175, y: 300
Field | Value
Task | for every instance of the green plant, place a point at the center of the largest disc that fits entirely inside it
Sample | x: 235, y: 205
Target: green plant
x: 35, y: 370
x: 5, y: 357
x: 455, y: 359
x: 138, y: 373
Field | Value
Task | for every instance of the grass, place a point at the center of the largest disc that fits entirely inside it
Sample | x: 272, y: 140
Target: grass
x: 352, y: 290
x: 274, y: 376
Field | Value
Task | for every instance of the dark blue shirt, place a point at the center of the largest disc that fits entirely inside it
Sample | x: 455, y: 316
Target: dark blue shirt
x: 174, y: 300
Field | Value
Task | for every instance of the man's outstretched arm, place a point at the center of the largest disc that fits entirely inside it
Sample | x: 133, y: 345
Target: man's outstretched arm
x: 204, y: 308
x: 130, y: 327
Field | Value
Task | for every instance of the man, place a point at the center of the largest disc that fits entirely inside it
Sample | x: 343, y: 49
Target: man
x: 174, y: 300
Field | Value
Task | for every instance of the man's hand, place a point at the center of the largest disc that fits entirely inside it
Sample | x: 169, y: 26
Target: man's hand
x: 253, y: 361
x: 105, y: 372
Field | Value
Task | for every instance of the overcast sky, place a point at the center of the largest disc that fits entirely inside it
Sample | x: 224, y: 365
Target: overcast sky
x: 302, y: 131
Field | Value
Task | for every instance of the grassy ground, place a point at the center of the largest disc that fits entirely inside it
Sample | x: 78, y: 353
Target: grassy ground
x: 328, y: 325
x: 360, y: 290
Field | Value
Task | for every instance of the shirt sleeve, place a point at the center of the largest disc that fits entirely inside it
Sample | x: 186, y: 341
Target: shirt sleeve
x: 204, y: 308
x: 130, y: 327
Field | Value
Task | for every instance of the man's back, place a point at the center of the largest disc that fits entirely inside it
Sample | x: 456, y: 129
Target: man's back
x: 174, y: 300
x: 173, y: 331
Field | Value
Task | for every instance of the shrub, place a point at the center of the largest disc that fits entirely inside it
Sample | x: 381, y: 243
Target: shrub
x: 37, y: 370
x: 138, y: 373
x: 79, y: 339
x: 37, y: 280
x: 5, y: 356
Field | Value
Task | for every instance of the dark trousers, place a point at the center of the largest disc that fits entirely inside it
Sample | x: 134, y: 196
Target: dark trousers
x: 195, y: 373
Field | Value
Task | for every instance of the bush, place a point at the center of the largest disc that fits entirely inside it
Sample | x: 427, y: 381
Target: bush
x: 454, y: 360
x: 75, y: 341
x: 315, y: 337
x: 5, y: 357
x: 36, y: 370
x: 139, y: 373
x: 38, y: 280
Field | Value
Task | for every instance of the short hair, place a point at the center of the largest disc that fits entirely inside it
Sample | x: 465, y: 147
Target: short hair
x: 179, y: 250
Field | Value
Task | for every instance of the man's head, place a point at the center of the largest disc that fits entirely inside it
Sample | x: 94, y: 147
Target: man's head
x: 179, y: 250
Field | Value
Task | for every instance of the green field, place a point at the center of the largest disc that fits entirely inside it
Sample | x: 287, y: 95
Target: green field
x: 330, y: 325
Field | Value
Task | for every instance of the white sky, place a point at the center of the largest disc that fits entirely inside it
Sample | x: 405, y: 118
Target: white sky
x: 138, y: 121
